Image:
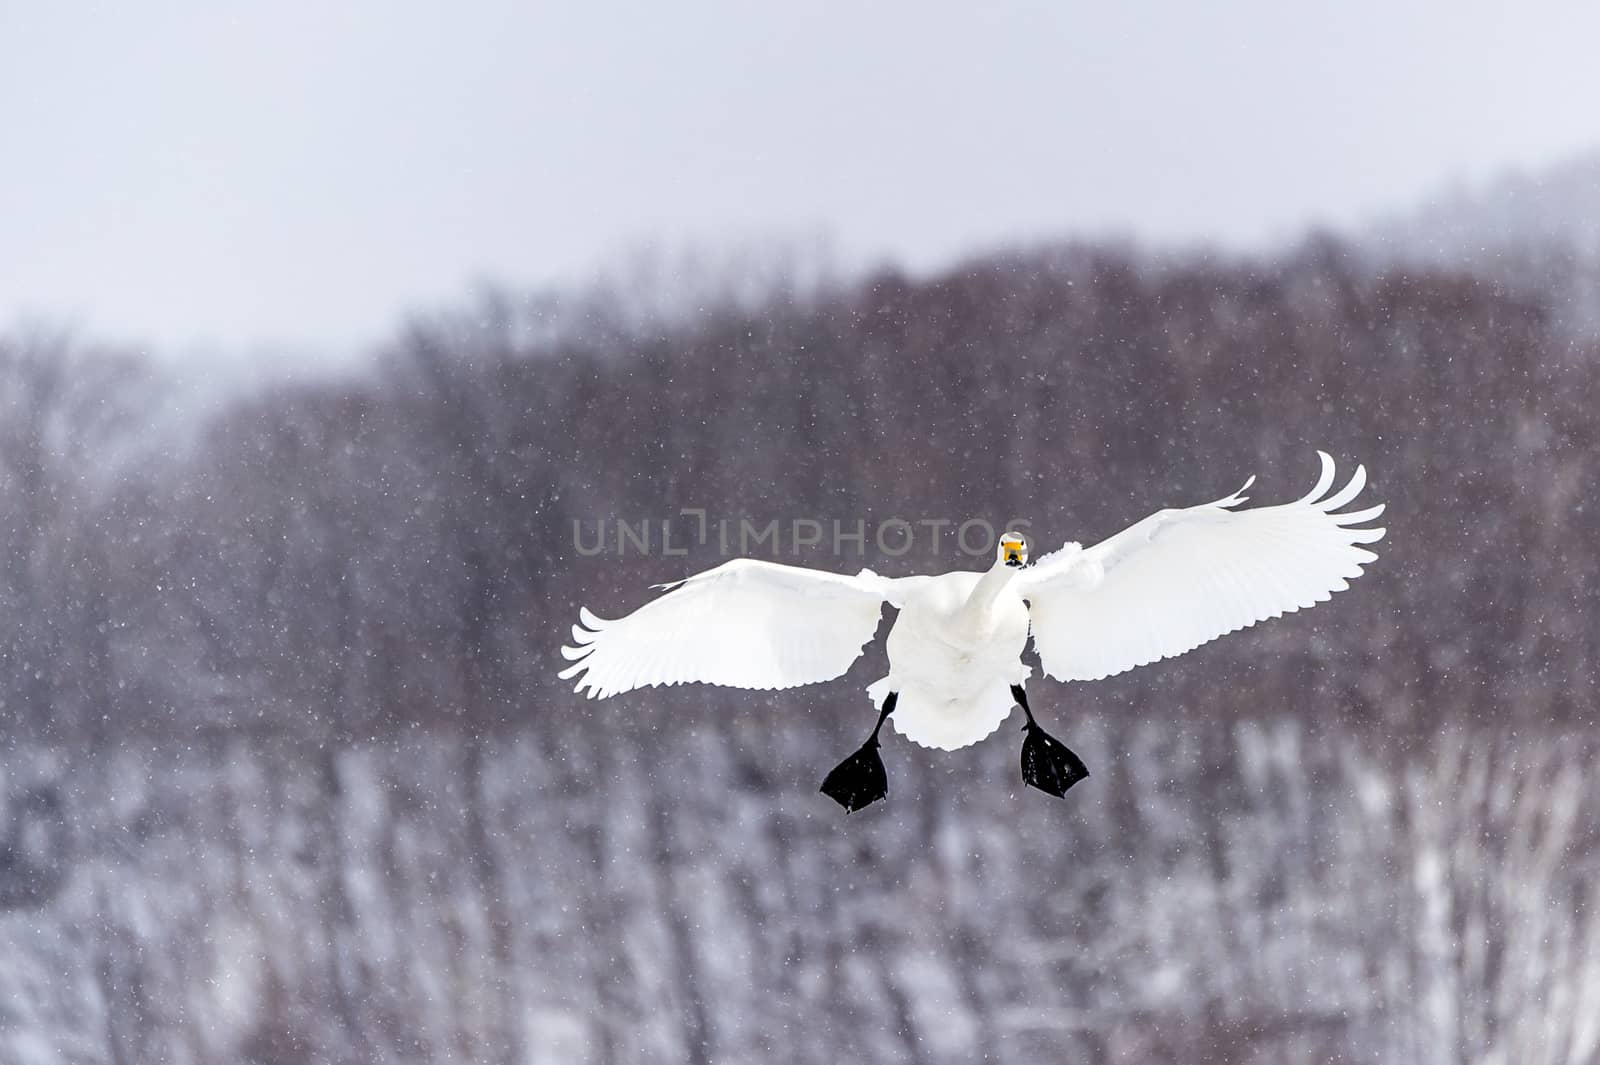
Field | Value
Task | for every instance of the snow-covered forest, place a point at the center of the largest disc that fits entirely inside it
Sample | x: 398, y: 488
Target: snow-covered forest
x: 287, y: 776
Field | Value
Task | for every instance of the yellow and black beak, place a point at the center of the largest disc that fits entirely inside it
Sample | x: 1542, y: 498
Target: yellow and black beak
x: 1012, y: 550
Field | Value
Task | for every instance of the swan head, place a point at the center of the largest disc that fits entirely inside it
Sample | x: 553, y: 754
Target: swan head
x: 1013, y: 550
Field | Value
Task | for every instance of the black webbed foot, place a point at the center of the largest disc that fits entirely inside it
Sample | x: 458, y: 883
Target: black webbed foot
x: 1048, y: 764
x: 859, y: 780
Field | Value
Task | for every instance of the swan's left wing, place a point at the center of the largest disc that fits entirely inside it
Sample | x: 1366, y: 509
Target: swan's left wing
x: 744, y: 624
x: 1181, y: 578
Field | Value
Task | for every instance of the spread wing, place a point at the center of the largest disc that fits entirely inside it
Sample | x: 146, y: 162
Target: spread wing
x: 1181, y: 578
x: 744, y: 624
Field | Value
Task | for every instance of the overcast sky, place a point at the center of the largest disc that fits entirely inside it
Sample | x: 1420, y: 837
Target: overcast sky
x: 228, y: 176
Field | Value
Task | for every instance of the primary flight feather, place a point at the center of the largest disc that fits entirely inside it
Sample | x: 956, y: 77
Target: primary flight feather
x: 1163, y: 586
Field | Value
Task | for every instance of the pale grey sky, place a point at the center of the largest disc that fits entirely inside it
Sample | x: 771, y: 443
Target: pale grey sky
x: 233, y: 176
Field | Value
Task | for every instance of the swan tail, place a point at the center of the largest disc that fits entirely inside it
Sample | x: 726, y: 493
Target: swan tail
x: 943, y: 721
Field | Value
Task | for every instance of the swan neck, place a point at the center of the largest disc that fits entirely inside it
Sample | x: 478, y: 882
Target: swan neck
x: 988, y: 588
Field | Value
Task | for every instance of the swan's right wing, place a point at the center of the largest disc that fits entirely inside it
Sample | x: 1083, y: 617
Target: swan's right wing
x: 744, y: 624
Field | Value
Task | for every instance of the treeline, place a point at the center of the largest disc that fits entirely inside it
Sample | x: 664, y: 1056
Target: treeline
x: 345, y: 557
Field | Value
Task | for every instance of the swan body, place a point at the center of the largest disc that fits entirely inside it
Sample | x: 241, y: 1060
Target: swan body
x: 954, y: 652
x: 1167, y: 584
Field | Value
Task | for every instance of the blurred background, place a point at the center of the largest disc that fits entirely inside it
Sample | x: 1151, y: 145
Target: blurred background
x: 321, y: 327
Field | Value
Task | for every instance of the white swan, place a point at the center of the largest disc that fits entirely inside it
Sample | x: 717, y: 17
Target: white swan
x: 1161, y: 587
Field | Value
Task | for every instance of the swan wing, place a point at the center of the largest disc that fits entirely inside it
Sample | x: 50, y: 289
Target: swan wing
x: 1181, y: 578
x: 744, y: 624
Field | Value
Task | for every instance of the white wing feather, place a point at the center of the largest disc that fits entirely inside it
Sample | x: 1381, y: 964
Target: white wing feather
x: 744, y: 624
x: 1181, y: 578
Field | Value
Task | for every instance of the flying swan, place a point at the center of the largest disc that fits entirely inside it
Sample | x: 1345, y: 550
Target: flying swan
x: 1163, y: 586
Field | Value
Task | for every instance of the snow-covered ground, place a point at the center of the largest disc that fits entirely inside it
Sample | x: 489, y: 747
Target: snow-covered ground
x: 576, y: 894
